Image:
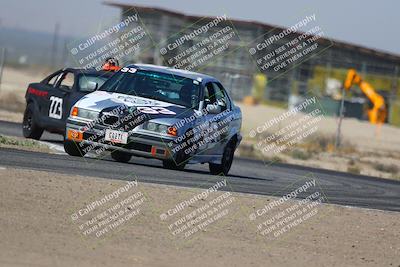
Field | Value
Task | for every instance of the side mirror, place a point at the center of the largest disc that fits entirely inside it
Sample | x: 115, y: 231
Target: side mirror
x: 221, y: 103
x: 213, y: 109
x: 92, y: 86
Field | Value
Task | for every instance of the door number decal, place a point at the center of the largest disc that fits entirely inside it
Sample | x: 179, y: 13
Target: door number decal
x: 55, y: 110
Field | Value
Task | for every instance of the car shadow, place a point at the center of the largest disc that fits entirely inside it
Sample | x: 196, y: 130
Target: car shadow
x: 155, y: 165
x: 58, y: 142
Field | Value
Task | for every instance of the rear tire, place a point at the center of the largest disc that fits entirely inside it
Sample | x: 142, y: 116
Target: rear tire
x: 121, y: 156
x: 226, y: 162
x: 30, y: 129
x: 73, y: 149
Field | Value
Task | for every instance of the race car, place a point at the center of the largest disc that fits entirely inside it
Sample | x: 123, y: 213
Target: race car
x: 177, y: 116
x: 48, y: 102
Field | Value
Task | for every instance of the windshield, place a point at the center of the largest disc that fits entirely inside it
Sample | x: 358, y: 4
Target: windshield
x: 84, y: 81
x: 155, y: 85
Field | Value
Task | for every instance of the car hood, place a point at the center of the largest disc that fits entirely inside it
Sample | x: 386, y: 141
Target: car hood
x: 106, y: 101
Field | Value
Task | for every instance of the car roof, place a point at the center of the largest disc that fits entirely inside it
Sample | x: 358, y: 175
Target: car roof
x: 89, y: 71
x: 178, y: 72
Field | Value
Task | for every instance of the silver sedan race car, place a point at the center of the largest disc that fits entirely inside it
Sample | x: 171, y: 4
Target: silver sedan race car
x: 176, y: 116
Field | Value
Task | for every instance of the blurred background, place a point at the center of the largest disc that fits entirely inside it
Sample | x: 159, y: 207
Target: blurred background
x: 37, y: 34
x: 36, y: 38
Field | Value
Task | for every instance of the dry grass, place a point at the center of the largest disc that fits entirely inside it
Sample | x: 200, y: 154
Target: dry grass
x: 326, y: 143
x: 300, y: 154
x: 22, y: 143
x: 354, y: 169
x: 389, y: 168
x: 12, y: 101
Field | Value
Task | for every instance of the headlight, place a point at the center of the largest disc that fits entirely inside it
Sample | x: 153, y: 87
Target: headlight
x: 84, y: 113
x: 160, y: 128
x: 151, y: 126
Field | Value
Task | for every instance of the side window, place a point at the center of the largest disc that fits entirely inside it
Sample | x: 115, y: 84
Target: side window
x: 85, y: 80
x: 226, y: 98
x: 215, y: 93
x: 220, y: 96
x: 67, y: 80
x: 209, y: 95
x: 53, y: 79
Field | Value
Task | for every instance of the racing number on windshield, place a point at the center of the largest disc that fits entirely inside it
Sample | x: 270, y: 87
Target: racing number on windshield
x: 55, y: 110
x: 130, y: 70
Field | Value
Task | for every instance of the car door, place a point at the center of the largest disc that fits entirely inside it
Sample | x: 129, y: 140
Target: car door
x: 42, y: 102
x: 58, y: 100
x: 213, y: 124
x: 233, y: 117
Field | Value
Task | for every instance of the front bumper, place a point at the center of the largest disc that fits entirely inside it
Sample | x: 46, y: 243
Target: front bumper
x: 139, y: 143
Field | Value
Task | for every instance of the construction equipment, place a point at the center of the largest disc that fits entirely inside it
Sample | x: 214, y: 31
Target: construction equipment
x: 377, y: 114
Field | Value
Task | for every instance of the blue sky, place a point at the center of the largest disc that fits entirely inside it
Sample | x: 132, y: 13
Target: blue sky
x: 373, y: 24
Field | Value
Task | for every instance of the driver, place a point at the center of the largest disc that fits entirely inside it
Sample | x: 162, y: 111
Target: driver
x: 185, y: 94
x: 111, y: 64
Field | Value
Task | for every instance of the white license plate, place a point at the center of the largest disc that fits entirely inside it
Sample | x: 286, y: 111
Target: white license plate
x: 116, y: 136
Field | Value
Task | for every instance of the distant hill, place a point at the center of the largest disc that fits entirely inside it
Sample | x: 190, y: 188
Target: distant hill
x: 33, y: 47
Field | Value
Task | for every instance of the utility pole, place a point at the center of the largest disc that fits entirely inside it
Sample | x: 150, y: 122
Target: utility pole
x: 64, y: 58
x: 2, y: 61
x: 54, y: 45
x: 341, y: 111
x: 393, y: 93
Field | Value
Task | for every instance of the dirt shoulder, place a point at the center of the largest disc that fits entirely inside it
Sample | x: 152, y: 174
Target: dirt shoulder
x: 12, y: 116
x: 37, y: 228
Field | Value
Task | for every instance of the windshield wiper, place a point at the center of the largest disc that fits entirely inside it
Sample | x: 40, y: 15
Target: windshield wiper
x: 161, y: 99
x: 153, y: 97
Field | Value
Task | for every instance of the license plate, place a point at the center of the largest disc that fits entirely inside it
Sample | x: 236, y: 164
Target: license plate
x: 116, y: 136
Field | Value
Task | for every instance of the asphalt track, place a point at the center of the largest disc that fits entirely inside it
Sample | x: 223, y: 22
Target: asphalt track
x: 246, y: 176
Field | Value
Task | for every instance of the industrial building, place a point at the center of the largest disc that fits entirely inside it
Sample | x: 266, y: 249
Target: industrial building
x: 237, y: 68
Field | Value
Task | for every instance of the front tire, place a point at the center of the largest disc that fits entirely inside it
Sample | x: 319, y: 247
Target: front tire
x: 226, y: 162
x: 170, y: 164
x: 73, y: 149
x: 30, y: 129
x: 121, y: 156
x: 181, y: 158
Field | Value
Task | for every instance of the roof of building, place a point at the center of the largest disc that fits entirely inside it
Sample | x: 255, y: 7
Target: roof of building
x: 340, y: 44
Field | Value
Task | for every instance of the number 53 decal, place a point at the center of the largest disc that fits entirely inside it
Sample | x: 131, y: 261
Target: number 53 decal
x: 155, y: 110
x: 55, y: 110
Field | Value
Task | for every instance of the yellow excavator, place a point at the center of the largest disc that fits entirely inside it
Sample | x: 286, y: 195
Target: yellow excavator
x: 377, y: 114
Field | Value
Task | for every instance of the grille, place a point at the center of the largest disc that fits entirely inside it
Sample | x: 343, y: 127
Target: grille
x: 110, y: 119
